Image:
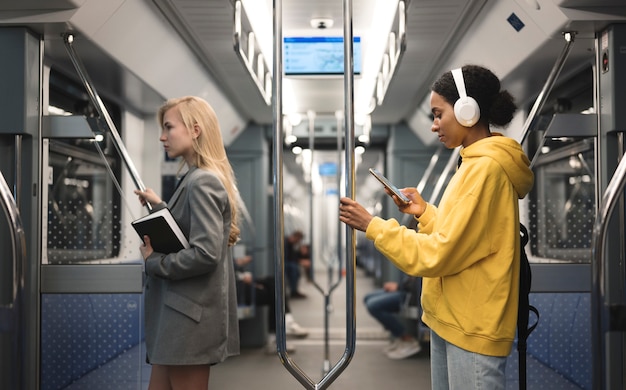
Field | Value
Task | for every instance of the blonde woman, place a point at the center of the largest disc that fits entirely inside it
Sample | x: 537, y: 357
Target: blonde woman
x: 190, y: 297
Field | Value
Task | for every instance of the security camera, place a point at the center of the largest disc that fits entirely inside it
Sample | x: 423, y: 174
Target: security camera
x: 321, y: 23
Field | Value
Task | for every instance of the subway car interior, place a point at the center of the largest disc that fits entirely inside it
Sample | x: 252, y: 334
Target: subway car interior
x: 309, y: 95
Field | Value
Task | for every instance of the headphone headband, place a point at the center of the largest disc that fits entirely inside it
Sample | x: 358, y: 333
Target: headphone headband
x: 466, y: 109
x: 457, y: 74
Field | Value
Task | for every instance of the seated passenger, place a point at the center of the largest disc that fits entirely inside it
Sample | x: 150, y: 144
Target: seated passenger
x: 384, y: 305
x: 306, y: 258
x: 264, y: 293
x: 293, y: 261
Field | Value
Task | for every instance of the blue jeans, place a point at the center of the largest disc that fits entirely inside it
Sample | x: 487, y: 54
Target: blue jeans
x: 453, y: 368
x: 384, y: 306
x: 292, y: 274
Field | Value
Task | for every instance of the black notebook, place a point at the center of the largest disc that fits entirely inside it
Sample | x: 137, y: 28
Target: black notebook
x: 165, y: 234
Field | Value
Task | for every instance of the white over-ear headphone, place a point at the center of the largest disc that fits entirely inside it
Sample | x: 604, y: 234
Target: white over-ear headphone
x: 466, y: 110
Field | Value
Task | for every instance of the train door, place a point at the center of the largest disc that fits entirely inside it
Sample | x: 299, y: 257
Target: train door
x: 91, y: 273
x: 19, y: 163
x: 578, y: 342
x: 580, y: 288
x: 91, y: 304
x: 608, y: 273
x: 75, y: 318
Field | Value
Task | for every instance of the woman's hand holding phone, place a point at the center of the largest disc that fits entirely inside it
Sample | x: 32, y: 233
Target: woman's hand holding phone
x: 390, y: 188
x: 408, y: 200
x: 416, y: 207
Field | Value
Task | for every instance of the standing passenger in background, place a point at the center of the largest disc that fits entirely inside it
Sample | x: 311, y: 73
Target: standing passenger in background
x: 191, y: 302
x: 467, y: 248
x: 306, y: 261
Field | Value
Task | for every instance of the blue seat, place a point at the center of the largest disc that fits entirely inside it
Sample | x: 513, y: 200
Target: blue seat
x: 559, y: 350
x: 82, y: 332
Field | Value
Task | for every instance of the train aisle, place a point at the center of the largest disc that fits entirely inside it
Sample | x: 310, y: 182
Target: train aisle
x: 369, y: 369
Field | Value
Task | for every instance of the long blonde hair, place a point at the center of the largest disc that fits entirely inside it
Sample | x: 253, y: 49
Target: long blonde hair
x: 208, y: 147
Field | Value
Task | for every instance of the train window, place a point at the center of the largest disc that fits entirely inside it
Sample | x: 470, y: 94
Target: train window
x: 83, y: 216
x: 562, y: 205
x: 83, y: 206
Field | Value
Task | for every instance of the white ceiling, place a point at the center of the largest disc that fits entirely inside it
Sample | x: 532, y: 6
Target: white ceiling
x: 439, y: 34
x: 433, y: 25
x: 435, y: 29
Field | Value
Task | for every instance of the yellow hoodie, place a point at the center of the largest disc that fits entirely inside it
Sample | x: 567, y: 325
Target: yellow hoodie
x: 467, y: 248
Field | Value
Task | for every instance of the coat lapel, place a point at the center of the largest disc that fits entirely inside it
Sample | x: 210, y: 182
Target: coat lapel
x: 179, y: 187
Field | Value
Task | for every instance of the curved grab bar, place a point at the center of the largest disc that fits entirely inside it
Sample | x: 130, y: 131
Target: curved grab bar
x: 408, y: 218
x: 18, y: 239
x: 547, y: 87
x: 600, y: 323
x: 279, y: 262
x: 453, y: 162
x: 429, y: 169
x: 68, y: 39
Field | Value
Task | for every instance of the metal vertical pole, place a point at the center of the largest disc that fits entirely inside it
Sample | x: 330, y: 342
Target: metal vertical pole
x: 350, y: 179
x: 277, y: 169
x: 279, y: 262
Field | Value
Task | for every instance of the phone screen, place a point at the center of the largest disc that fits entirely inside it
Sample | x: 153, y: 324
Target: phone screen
x: 388, y: 184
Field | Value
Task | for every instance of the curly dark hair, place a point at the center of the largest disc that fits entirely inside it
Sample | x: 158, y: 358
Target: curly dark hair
x: 496, y: 107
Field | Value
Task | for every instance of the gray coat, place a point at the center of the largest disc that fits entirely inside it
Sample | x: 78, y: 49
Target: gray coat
x: 190, y: 296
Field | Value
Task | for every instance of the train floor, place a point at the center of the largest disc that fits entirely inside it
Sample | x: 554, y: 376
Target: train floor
x: 369, y: 368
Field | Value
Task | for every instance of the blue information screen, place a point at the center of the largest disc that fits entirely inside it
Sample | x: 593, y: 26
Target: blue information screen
x: 318, y: 55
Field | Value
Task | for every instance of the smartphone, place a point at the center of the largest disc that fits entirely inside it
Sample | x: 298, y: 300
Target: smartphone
x: 388, y: 184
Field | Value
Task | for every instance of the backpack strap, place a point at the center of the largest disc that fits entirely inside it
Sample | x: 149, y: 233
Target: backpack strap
x: 524, y: 307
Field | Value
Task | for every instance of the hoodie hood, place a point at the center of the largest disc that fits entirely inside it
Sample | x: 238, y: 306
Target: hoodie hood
x: 509, y: 154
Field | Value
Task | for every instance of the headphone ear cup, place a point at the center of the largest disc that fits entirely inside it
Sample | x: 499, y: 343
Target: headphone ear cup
x: 467, y: 111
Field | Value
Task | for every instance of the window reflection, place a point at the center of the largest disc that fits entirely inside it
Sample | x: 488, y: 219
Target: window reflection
x: 562, y: 210
x: 83, y: 206
x: 84, y: 213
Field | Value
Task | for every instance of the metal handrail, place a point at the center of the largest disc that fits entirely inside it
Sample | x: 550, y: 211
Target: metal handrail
x: 450, y: 165
x: 425, y: 177
x: 279, y: 263
x: 408, y: 219
x: 429, y: 169
x: 68, y: 39
x: 600, y: 323
x: 543, y: 95
x: 18, y: 239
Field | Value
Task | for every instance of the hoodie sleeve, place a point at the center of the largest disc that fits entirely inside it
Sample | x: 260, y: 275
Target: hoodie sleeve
x: 427, y: 255
x: 453, y: 236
